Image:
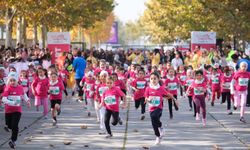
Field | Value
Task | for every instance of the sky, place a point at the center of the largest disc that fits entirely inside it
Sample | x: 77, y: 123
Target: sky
x: 129, y: 10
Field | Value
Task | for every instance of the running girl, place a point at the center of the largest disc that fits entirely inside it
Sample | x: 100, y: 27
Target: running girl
x: 12, y: 98
x: 55, y: 90
x: 199, y: 86
x: 154, y: 94
x: 239, y: 87
x: 110, y: 100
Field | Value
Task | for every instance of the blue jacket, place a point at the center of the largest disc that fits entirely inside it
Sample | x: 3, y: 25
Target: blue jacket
x: 79, y: 65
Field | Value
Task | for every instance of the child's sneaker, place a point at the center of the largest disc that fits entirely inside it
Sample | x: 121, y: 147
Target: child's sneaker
x: 204, y: 122
x: 109, y: 136
x: 157, y: 141
x: 142, y: 117
x: 242, y: 120
x: 197, y: 117
x: 54, y: 122
x: 162, y: 131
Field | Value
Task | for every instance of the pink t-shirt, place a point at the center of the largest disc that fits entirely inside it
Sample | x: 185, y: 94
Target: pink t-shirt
x: 120, y: 84
x: 199, y: 87
x: 56, y: 90
x: 98, y: 70
x: 156, y: 95
x: 89, y: 88
x: 171, y: 85
x: 241, y: 80
x: 141, y: 85
x: 101, y: 88
x: 14, y: 94
x: 182, y: 77
x: 189, y: 82
x: 64, y: 74
x: 122, y: 77
x: 111, y: 98
x: 215, y: 82
x: 24, y: 82
x: 225, y: 82
x: 41, y: 87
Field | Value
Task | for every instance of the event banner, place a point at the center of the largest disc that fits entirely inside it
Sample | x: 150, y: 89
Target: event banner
x: 114, y: 34
x: 58, y: 42
x: 206, y: 40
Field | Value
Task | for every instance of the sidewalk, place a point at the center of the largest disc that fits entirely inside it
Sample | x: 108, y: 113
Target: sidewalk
x: 183, y: 132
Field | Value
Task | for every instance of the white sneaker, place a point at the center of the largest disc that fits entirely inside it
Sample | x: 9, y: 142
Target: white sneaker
x: 204, y: 122
x: 162, y: 131
x: 197, y: 117
x: 157, y: 141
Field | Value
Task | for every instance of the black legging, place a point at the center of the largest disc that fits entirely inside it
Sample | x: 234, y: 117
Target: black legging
x: 190, y: 100
x: 248, y: 93
x: 140, y: 102
x: 115, y: 116
x: 80, y: 91
x: 170, y: 106
x: 155, y: 120
x: 226, y: 96
x: 12, y: 121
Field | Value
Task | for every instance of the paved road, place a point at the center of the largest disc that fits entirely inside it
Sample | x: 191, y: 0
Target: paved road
x: 183, y: 132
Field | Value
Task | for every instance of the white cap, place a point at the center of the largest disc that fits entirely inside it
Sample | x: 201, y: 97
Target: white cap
x: 103, y: 73
x: 90, y: 74
x: 13, y: 75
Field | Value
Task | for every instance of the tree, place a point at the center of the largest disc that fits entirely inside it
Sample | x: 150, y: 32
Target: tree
x: 64, y: 14
x: 165, y: 20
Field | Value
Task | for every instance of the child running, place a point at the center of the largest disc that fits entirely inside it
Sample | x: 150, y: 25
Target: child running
x: 239, y: 87
x: 55, y: 90
x: 12, y: 98
x: 154, y: 94
x: 101, y: 88
x: 139, y: 85
x: 199, y: 86
x: 215, y: 85
x: 40, y: 87
x: 190, y: 94
x: 226, y: 79
x: 110, y: 100
x: 171, y: 84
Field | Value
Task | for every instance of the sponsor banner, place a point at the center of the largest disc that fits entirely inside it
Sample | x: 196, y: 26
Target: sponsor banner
x: 204, y: 39
x: 58, y: 42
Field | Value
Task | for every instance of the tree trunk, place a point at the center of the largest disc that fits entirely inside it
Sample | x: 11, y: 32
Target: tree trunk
x: 9, y: 23
x: 19, y: 31
x: 35, y: 39
x: 44, y: 35
x: 24, y: 35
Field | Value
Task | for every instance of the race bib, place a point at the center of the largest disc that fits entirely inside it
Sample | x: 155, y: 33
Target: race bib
x: 54, y: 90
x: 226, y: 85
x: 155, y: 101
x: 102, y: 90
x: 140, y: 84
x: 172, y: 86
x: 183, y: 78
x: 88, y: 87
x: 243, y: 81
x: 24, y: 82
x: 15, y: 99
x: 110, y: 100
x: 198, y: 91
x: 215, y: 80
x: 189, y: 82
